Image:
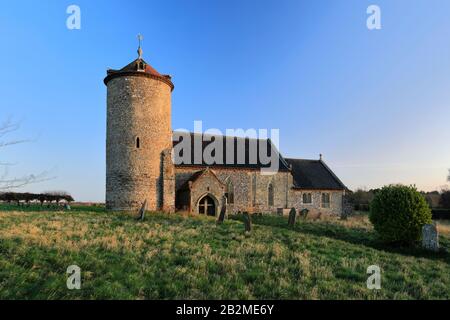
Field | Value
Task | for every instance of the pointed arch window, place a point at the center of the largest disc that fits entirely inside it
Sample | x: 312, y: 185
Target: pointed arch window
x: 270, y: 194
x: 307, y: 198
x: 230, y: 192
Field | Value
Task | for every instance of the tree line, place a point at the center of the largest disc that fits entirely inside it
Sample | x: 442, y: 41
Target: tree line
x: 46, y: 197
x: 361, y: 199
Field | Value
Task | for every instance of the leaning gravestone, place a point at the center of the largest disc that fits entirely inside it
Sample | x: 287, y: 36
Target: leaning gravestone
x: 142, y: 211
x: 292, y: 216
x: 222, y: 214
x: 430, y: 237
x: 247, y: 222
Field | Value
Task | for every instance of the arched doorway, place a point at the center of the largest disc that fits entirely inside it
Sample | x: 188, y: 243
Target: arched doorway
x: 207, y: 206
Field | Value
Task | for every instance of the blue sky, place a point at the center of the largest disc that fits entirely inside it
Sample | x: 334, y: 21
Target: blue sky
x: 375, y: 103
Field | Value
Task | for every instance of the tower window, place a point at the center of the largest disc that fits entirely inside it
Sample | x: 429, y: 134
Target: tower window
x: 138, y: 143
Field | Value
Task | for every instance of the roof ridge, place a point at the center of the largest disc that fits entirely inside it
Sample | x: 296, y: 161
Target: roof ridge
x: 298, y: 159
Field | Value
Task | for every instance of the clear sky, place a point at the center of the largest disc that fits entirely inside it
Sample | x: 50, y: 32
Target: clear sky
x: 375, y: 103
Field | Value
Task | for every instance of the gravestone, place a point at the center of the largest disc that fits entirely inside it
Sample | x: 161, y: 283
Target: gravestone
x: 292, y: 216
x: 247, y: 222
x: 304, y: 213
x: 347, y: 207
x: 222, y: 214
x: 430, y: 237
x: 142, y: 211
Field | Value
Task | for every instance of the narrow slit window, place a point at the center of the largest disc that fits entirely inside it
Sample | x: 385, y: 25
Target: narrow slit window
x: 138, y: 143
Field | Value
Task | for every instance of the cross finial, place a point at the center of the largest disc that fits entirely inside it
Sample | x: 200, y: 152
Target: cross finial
x: 140, y: 38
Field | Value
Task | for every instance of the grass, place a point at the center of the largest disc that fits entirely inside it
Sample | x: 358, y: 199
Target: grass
x: 181, y: 257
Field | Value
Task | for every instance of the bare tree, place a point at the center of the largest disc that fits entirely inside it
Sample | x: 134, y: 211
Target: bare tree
x: 7, y: 183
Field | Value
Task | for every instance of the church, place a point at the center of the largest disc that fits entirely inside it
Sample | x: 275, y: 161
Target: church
x: 145, y: 164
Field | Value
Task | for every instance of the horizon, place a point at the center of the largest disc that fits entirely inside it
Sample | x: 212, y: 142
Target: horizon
x: 375, y: 103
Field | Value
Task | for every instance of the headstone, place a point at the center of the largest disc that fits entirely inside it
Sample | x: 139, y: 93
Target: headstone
x: 292, y: 216
x: 247, y: 222
x: 430, y: 237
x: 142, y: 211
x: 347, y: 207
x: 304, y: 213
x: 222, y: 214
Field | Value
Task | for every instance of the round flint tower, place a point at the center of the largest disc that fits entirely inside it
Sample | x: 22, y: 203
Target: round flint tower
x: 139, y: 138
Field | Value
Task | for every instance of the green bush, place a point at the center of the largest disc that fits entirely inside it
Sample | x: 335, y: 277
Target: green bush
x: 398, y: 214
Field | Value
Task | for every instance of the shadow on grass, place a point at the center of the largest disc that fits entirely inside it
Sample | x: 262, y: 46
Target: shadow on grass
x: 353, y: 235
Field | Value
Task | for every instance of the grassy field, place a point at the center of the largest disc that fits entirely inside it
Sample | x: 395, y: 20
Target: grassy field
x: 178, y: 257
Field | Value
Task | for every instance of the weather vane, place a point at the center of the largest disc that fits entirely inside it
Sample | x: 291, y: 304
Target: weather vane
x: 140, y: 38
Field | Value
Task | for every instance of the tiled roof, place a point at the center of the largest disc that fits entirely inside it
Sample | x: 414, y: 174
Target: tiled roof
x: 195, y: 177
x: 314, y: 174
x: 249, y: 152
x: 139, y: 67
x: 133, y: 66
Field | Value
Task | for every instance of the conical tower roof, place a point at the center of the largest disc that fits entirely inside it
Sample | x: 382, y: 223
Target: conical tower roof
x: 139, y: 67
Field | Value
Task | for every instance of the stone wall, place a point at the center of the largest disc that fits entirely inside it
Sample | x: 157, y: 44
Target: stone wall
x: 137, y: 107
x: 251, y: 191
x: 207, y: 184
x: 168, y: 182
x: 281, y: 182
x: 246, y: 196
x: 336, y: 201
